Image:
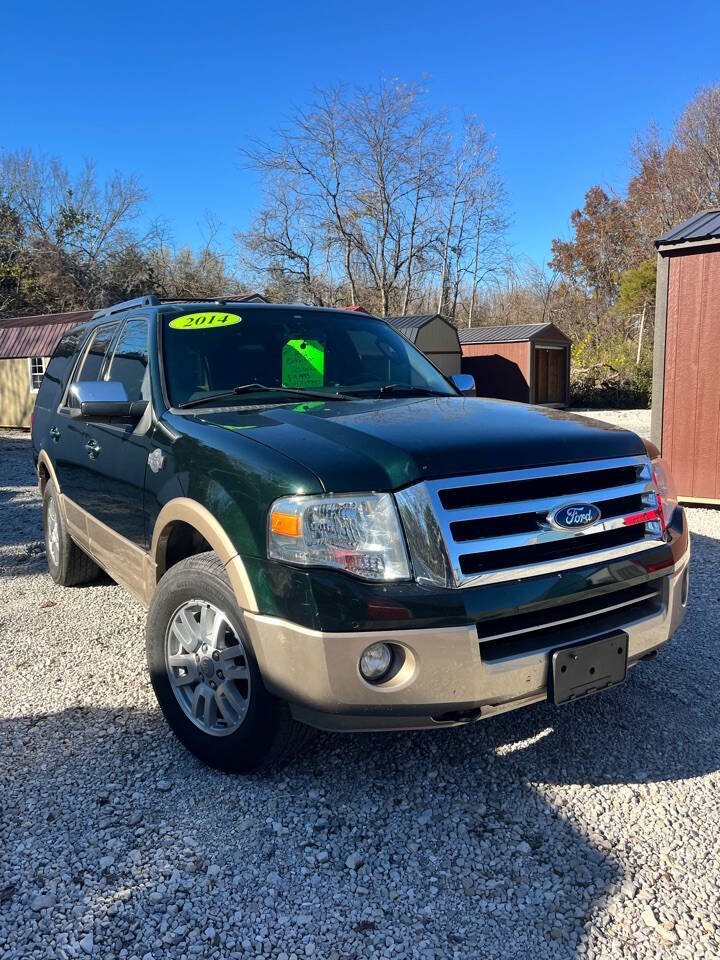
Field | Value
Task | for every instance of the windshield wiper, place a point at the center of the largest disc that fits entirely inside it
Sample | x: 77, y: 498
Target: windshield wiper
x: 259, y: 388
x: 294, y: 391
x: 396, y: 389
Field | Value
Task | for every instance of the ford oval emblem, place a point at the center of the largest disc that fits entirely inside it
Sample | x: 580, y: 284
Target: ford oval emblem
x: 574, y: 516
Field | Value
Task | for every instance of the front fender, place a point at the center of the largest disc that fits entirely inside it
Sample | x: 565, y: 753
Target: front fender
x: 225, y: 484
x: 185, y: 510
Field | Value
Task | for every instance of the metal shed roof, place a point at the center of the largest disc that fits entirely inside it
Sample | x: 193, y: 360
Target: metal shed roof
x: 410, y: 326
x: 702, y: 226
x: 39, y: 335
x: 511, y: 333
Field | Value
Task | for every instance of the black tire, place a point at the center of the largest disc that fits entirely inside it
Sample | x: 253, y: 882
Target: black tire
x: 71, y: 566
x: 267, y: 734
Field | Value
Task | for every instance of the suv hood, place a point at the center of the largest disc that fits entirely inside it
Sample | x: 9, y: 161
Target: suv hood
x: 389, y: 443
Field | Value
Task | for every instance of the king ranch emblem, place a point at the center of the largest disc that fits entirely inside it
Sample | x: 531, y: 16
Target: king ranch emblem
x: 156, y: 460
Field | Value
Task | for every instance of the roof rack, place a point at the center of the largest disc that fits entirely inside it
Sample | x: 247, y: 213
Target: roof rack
x: 147, y: 301
x: 224, y: 298
x: 220, y: 300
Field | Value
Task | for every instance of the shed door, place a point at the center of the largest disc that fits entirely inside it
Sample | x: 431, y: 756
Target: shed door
x: 549, y: 375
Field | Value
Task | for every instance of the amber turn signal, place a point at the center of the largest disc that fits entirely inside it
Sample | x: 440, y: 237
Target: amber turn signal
x: 286, y: 524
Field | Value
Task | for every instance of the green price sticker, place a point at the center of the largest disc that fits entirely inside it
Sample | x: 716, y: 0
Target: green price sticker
x: 303, y: 364
x: 204, y: 321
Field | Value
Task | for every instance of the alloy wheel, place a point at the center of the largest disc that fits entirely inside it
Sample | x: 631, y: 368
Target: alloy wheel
x: 53, y: 533
x: 207, y: 667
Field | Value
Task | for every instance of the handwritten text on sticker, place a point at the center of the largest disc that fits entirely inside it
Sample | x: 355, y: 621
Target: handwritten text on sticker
x: 303, y: 364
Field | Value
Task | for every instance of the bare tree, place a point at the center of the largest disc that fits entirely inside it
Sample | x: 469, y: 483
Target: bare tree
x: 678, y: 176
x: 424, y: 155
x: 285, y: 244
x: 393, y: 156
x: 71, y: 225
x: 543, y: 282
x: 354, y: 186
x: 474, y: 222
x: 183, y: 273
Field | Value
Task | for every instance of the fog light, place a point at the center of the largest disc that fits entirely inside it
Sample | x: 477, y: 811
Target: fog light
x: 375, y: 662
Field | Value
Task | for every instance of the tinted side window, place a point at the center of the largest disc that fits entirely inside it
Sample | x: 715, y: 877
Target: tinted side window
x: 58, y: 368
x: 91, y: 366
x: 91, y: 363
x: 130, y: 360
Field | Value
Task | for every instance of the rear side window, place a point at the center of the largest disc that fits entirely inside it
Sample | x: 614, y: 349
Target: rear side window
x: 57, y: 370
x: 92, y: 364
x: 130, y: 359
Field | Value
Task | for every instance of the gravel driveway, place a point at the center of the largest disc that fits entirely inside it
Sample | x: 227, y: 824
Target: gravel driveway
x: 637, y: 420
x: 587, y: 831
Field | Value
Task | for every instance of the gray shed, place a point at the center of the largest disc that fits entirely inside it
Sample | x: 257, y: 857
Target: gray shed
x: 435, y: 336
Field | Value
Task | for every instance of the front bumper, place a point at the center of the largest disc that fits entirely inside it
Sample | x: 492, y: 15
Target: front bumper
x: 446, y: 679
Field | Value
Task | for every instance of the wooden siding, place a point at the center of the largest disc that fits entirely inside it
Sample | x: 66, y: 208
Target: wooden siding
x: 501, y: 370
x: 16, y: 400
x: 691, y: 407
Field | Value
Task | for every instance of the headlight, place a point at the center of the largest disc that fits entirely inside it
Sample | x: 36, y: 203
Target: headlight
x: 359, y: 534
x: 664, y: 482
x: 666, y: 488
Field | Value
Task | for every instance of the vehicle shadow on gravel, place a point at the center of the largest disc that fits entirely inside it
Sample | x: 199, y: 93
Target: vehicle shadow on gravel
x: 22, y: 548
x: 16, y: 450
x: 434, y: 842
x: 460, y: 842
x: 496, y: 840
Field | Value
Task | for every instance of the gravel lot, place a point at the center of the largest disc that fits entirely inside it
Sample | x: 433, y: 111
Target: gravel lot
x: 637, y: 420
x: 588, y: 831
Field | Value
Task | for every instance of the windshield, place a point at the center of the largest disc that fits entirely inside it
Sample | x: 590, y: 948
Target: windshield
x: 207, y: 352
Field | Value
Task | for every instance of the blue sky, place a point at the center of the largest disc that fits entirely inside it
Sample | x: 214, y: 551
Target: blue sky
x: 170, y: 91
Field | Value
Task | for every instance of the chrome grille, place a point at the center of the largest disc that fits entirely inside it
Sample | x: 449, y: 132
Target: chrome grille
x: 494, y: 527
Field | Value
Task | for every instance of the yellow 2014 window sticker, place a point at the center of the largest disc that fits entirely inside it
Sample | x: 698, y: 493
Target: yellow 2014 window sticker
x: 205, y: 321
x: 303, y: 364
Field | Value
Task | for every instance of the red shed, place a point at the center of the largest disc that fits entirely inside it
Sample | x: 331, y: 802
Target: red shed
x: 528, y: 362
x: 686, y: 371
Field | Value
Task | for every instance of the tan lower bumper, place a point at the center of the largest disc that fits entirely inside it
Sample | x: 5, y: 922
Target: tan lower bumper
x: 444, y: 672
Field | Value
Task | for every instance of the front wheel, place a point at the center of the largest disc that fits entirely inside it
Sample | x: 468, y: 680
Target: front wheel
x: 205, y: 675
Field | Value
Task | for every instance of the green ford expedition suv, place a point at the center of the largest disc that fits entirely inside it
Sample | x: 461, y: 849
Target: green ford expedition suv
x: 329, y: 532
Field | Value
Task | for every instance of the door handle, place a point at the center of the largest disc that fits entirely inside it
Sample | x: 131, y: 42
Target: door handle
x: 55, y: 433
x: 93, y: 449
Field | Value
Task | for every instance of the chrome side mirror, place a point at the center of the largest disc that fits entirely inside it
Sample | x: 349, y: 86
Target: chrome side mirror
x: 103, y: 400
x: 464, y: 383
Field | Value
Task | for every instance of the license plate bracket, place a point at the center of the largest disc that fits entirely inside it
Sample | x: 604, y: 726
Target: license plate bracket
x: 588, y: 668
